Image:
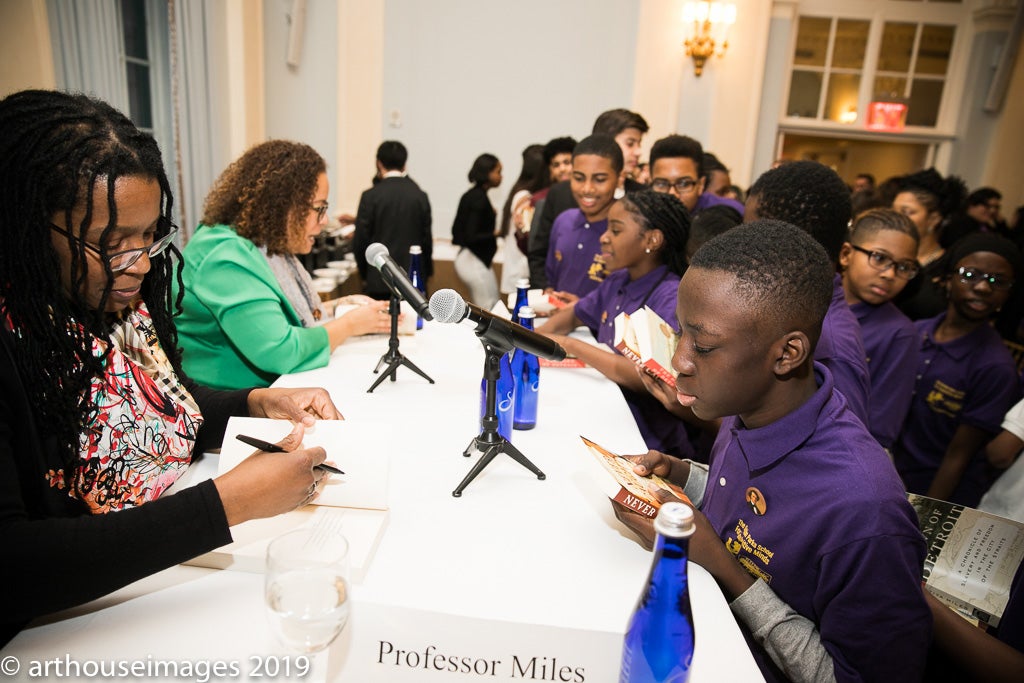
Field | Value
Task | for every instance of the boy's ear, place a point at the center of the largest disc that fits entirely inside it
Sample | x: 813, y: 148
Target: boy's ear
x: 793, y: 350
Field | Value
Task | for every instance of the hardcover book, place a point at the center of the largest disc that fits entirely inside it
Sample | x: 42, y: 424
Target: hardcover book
x: 646, y: 339
x: 625, y: 486
x: 972, y: 557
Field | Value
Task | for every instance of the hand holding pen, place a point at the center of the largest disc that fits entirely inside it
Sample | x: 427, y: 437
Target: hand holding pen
x: 268, y: 447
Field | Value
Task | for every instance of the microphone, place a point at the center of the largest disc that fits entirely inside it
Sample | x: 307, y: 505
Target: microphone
x: 395, y: 276
x: 448, y: 307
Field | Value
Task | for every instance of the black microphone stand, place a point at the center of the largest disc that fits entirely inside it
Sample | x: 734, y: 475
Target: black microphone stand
x: 490, y: 442
x: 394, y: 358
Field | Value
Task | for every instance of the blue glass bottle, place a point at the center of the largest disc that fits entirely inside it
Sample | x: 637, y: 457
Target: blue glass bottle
x: 522, y: 297
x: 416, y: 275
x: 659, y: 640
x: 526, y: 372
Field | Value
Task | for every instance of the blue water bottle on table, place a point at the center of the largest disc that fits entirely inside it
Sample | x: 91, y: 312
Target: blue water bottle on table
x: 526, y: 372
x: 659, y: 640
x: 416, y: 275
x: 522, y: 298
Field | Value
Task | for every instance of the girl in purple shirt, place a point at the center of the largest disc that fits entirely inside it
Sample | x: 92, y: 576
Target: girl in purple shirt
x: 966, y: 379
x: 644, y: 248
x: 877, y: 262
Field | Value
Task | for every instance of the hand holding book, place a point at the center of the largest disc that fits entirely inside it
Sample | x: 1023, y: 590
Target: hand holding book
x: 646, y: 339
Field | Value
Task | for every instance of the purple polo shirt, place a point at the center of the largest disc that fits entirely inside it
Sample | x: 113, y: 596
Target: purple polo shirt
x: 890, y: 342
x: 841, y: 350
x: 970, y: 380
x: 574, y: 262
x: 661, y: 430
x: 837, y: 539
x: 707, y: 200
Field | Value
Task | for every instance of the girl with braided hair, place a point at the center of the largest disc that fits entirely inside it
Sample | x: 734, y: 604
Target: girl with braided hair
x: 96, y: 417
x: 644, y: 249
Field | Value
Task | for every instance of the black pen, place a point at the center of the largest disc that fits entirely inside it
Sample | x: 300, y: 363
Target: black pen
x: 274, y: 448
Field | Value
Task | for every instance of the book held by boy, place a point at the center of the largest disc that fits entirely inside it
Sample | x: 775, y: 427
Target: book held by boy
x: 625, y: 486
x: 645, y: 338
x: 972, y: 557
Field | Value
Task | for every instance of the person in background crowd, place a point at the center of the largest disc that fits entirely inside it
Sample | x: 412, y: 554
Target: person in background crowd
x: 474, y: 230
x: 966, y: 379
x: 627, y: 128
x: 864, y: 182
x: 249, y: 311
x: 97, y: 418
x: 396, y: 213
x: 517, y: 213
x: 876, y: 263
x: 927, y: 199
x: 677, y: 166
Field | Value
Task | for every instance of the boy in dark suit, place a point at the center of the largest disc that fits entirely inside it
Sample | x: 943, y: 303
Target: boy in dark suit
x: 396, y: 213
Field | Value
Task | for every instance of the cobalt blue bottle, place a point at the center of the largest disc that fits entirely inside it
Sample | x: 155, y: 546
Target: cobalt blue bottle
x: 522, y: 297
x: 659, y: 640
x: 416, y: 275
x: 526, y: 372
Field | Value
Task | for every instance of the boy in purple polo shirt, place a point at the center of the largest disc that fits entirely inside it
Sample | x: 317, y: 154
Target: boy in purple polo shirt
x: 677, y: 167
x: 814, y: 198
x: 966, y: 378
x: 877, y: 262
x: 644, y: 248
x: 574, y: 265
x: 803, y: 521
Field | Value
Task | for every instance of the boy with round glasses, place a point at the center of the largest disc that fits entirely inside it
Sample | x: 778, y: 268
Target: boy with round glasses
x: 876, y: 263
x: 677, y: 167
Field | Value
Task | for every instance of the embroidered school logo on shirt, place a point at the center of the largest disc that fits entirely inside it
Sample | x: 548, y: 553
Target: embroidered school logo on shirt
x: 597, y: 271
x: 944, y: 399
x: 754, y: 557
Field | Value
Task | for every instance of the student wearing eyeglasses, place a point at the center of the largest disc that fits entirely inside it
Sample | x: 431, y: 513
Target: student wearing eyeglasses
x: 677, y: 167
x: 250, y: 312
x: 966, y: 379
x: 876, y: 263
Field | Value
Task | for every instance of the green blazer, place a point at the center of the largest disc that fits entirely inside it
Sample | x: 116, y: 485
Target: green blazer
x: 238, y: 329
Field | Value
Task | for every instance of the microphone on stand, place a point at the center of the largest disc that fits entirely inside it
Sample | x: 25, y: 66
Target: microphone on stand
x: 448, y: 307
x: 377, y: 256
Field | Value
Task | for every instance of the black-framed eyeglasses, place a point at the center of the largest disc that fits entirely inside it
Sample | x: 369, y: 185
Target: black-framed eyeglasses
x: 321, y: 211
x: 972, y: 277
x: 878, y: 260
x: 123, y: 260
x: 682, y: 185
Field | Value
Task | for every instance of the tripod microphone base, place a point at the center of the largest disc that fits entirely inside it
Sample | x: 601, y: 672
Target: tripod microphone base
x: 394, y: 360
x: 491, y: 447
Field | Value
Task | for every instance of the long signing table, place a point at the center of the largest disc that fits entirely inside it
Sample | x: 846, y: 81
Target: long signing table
x: 517, y: 579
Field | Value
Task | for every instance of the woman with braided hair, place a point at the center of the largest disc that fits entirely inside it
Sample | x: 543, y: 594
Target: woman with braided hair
x: 644, y: 250
x: 97, y: 419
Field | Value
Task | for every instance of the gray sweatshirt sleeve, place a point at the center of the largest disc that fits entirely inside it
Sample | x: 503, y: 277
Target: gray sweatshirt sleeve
x: 791, y: 640
x: 695, y: 484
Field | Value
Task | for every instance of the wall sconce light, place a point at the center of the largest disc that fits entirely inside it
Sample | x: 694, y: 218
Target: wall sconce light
x: 710, y: 20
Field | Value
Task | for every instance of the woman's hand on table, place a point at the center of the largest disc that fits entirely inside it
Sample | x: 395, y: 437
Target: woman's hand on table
x: 304, y: 405
x: 268, y: 484
x: 369, y: 318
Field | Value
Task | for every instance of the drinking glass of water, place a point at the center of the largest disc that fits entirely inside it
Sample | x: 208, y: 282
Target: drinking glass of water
x: 307, y: 587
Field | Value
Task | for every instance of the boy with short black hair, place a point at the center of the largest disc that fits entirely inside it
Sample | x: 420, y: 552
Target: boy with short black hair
x: 803, y: 520
x: 677, y: 167
x: 814, y: 198
x: 574, y: 266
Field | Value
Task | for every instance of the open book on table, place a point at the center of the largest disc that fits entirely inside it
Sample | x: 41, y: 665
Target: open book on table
x: 355, y: 503
x: 972, y: 557
x: 625, y: 486
x: 646, y: 339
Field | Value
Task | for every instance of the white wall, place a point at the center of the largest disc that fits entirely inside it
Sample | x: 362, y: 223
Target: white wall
x: 301, y: 102
x: 470, y: 77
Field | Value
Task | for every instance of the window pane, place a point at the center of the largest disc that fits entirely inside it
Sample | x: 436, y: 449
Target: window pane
x: 897, y: 46
x: 811, y: 41
x: 933, y: 53
x: 851, y: 41
x: 923, y: 109
x: 841, y: 100
x: 139, y: 100
x: 888, y: 88
x: 804, y: 92
x: 133, y: 14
